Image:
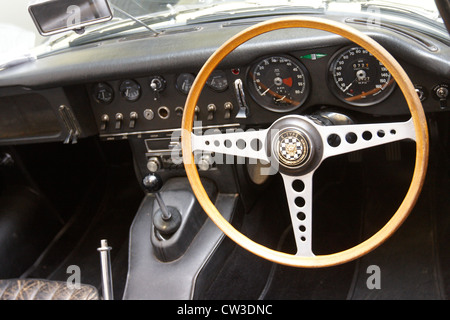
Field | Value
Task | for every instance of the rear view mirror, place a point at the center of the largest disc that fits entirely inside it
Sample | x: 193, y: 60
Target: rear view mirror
x: 57, y: 16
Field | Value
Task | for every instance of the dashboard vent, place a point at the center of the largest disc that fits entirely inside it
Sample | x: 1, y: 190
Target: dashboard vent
x: 240, y: 23
x: 179, y: 30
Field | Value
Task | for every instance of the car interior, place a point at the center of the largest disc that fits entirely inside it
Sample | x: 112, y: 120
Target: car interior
x: 242, y: 154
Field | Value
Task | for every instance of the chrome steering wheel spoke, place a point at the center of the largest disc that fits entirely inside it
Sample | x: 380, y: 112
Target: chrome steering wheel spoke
x: 340, y: 139
x: 299, y: 194
x: 248, y: 144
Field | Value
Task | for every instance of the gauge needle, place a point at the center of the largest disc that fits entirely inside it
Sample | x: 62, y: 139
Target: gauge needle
x: 348, y: 87
x: 267, y: 90
x: 264, y: 93
x: 281, y: 99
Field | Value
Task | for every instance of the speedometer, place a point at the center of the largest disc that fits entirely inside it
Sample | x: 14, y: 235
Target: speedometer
x: 279, y: 83
x: 358, y: 78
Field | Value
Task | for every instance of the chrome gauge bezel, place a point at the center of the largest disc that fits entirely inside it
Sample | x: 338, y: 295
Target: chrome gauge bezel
x: 124, y: 87
x: 269, y: 105
x: 366, y: 101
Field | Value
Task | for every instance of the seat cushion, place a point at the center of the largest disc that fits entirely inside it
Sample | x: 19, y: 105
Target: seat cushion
x: 37, y: 289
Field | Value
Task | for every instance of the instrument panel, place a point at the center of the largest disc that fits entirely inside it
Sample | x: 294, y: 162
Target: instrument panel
x: 338, y: 77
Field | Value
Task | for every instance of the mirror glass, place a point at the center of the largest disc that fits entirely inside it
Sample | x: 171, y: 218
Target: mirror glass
x: 56, y: 16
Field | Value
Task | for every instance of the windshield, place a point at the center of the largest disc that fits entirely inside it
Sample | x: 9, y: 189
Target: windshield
x: 19, y: 36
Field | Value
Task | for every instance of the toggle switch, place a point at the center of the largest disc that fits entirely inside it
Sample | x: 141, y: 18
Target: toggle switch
x: 104, y: 122
x: 119, y: 120
x: 211, y: 110
x: 196, y: 112
x: 133, y: 119
x: 228, y: 106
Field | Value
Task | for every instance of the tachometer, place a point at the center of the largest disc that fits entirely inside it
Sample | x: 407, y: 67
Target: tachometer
x: 358, y: 78
x: 279, y: 83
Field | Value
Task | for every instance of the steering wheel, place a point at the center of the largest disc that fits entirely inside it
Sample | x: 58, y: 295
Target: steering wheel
x: 296, y: 146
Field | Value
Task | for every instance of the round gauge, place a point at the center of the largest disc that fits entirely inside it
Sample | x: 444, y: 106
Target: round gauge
x: 130, y: 90
x: 279, y: 83
x: 218, y: 81
x: 358, y: 78
x: 184, y: 82
x: 103, y: 93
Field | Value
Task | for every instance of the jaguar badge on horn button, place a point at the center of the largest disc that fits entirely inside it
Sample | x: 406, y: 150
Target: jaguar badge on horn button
x: 293, y: 148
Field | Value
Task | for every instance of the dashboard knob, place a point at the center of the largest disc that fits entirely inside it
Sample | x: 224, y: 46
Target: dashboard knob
x: 442, y: 92
x: 204, y: 163
x: 157, y: 85
x: 421, y: 93
x: 153, y: 164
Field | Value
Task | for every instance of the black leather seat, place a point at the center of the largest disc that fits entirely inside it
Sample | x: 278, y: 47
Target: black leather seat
x: 38, y: 289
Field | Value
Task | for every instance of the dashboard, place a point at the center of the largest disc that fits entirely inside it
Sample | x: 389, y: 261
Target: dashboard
x: 344, y: 77
x: 135, y: 87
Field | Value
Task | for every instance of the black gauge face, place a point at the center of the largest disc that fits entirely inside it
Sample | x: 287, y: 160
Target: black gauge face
x: 103, y: 93
x: 358, y: 78
x: 218, y: 81
x: 130, y: 90
x: 184, y: 82
x: 279, y: 83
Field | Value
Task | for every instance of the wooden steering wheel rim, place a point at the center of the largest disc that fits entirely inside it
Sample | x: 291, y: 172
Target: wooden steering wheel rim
x: 414, y: 105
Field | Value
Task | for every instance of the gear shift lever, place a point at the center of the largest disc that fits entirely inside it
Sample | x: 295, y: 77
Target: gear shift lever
x: 166, y: 220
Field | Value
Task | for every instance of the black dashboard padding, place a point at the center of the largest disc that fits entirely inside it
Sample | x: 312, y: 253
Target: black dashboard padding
x: 117, y: 58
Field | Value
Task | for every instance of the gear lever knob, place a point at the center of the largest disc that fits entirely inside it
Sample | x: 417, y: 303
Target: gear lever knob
x: 166, y: 220
x: 152, y: 183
